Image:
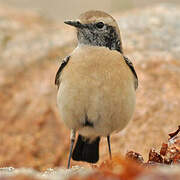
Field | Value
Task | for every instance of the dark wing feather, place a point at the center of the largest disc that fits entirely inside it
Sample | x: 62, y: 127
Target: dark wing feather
x: 130, y: 64
x: 58, y: 74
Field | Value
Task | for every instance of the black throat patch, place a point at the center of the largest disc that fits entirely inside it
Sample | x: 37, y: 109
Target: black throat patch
x: 107, y: 37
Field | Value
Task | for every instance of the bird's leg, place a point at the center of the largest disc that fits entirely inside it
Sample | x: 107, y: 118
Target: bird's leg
x: 109, y: 146
x: 72, y: 138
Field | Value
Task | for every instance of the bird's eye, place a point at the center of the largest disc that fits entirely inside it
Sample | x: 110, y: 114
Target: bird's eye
x: 78, y: 23
x: 100, y: 25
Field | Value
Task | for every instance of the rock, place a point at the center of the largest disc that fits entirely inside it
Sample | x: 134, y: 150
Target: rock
x: 160, y: 172
x: 116, y: 169
x: 49, y: 174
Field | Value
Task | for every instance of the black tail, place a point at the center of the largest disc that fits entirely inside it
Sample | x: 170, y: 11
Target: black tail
x: 86, y: 150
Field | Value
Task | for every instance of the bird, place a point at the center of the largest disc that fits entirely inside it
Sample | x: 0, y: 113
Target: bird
x: 96, y: 85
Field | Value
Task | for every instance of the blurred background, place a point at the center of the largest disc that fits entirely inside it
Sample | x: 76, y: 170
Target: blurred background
x: 33, y: 42
x: 63, y: 9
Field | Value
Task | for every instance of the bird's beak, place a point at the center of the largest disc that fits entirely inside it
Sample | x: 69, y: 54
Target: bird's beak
x: 76, y: 24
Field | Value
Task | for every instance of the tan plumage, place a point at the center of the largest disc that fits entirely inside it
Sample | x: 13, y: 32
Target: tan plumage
x: 97, y: 84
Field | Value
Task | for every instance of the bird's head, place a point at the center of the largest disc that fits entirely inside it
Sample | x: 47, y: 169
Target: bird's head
x: 97, y: 28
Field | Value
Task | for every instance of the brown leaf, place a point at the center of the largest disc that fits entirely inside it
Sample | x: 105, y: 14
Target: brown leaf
x: 174, y: 133
x: 155, y: 157
x: 163, y: 150
x: 134, y: 156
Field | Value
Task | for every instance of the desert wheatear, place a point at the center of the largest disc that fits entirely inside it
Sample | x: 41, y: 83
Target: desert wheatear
x: 96, y: 85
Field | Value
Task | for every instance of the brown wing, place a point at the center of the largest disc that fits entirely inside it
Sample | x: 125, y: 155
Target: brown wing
x: 58, y: 74
x: 130, y: 64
